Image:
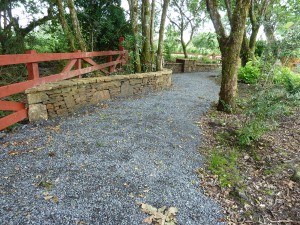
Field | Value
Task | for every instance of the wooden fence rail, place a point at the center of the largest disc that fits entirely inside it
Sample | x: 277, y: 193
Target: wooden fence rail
x: 32, y: 58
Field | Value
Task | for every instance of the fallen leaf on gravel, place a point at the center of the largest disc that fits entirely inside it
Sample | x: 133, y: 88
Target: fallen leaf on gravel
x: 148, y: 220
x: 141, y: 195
x: 81, y: 222
x: 48, y: 197
x: 13, y: 153
x: 161, y: 216
x: 55, y: 199
x: 148, y: 209
x: 131, y: 195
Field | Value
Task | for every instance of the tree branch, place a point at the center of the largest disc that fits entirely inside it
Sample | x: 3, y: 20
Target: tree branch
x: 228, y: 4
x: 216, y: 18
x: 38, y: 22
x: 173, y: 22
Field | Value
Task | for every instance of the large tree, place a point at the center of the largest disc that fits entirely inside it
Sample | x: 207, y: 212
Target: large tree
x: 76, y: 26
x: 64, y: 24
x: 185, y: 15
x: 282, y: 28
x: 11, y: 32
x: 146, y: 36
x: 133, y: 7
x: 230, y: 46
x: 102, y: 23
x: 257, y: 13
x: 143, y: 35
x: 160, y: 46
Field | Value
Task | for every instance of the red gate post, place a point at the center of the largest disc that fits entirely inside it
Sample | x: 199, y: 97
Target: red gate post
x: 78, y: 63
x: 121, y: 40
x: 32, y: 68
x: 110, y: 68
x: 121, y: 48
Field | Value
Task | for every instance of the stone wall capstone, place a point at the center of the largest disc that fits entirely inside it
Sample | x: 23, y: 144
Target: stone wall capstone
x: 64, y: 97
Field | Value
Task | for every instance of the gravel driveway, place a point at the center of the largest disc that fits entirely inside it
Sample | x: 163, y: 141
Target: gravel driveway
x: 96, y: 165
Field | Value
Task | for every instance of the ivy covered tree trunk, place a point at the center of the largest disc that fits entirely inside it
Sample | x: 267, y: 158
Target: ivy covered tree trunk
x: 160, y: 46
x: 248, y: 47
x: 230, y: 46
x: 76, y: 27
x: 133, y: 6
x: 152, y: 19
x: 228, y: 91
x: 146, y: 23
x: 64, y: 24
x: 257, y: 13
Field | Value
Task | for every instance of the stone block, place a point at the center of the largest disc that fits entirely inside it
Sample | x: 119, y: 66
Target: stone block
x: 38, y: 97
x: 49, y: 106
x: 37, y: 112
x: 135, y: 81
x: 110, y: 85
x: 126, y: 89
x: 115, y: 92
x: 145, y: 80
x: 70, y: 102
x: 62, y: 112
x: 100, y: 96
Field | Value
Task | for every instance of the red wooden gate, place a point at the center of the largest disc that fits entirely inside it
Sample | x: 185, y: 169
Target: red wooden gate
x: 31, y: 59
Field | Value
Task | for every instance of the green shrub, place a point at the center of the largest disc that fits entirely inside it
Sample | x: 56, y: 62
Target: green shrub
x: 249, y: 74
x: 263, y: 111
x: 284, y: 76
x: 252, y: 131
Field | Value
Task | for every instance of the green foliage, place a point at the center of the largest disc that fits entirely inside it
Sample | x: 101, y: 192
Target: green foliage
x: 129, y: 45
x: 249, y: 74
x: 207, y: 60
x: 263, y: 111
x: 260, y: 47
x: 289, y: 44
x: 285, y: 77
x: 48, y: 39
x: 103, y: 23
x: 252, y: 131
x: 171, y: 43
x: 206, y: 43
x: 225, y: 165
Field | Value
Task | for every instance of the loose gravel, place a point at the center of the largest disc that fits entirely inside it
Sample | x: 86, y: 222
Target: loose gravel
x: 95, y: 166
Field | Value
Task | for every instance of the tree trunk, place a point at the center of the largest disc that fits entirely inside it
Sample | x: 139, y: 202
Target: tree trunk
x: 133, y: 6
x: 146, y: 54
x: 245, y: 51
x: 228, y: 91
x: 64, y: 24
x: 230, y: 48
x: 248, y: 46
x: 160, y: 46
x: 184, y: 49
x: 269, y: 29
x: 76, y: 27
x: 152, y: 33
x: 257, y: 12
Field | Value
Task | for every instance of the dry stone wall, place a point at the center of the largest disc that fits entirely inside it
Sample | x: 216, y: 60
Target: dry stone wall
x: 190, y: 65
x: 62, y: 98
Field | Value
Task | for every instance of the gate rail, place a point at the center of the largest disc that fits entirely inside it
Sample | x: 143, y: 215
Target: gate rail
x: 32, y: 58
